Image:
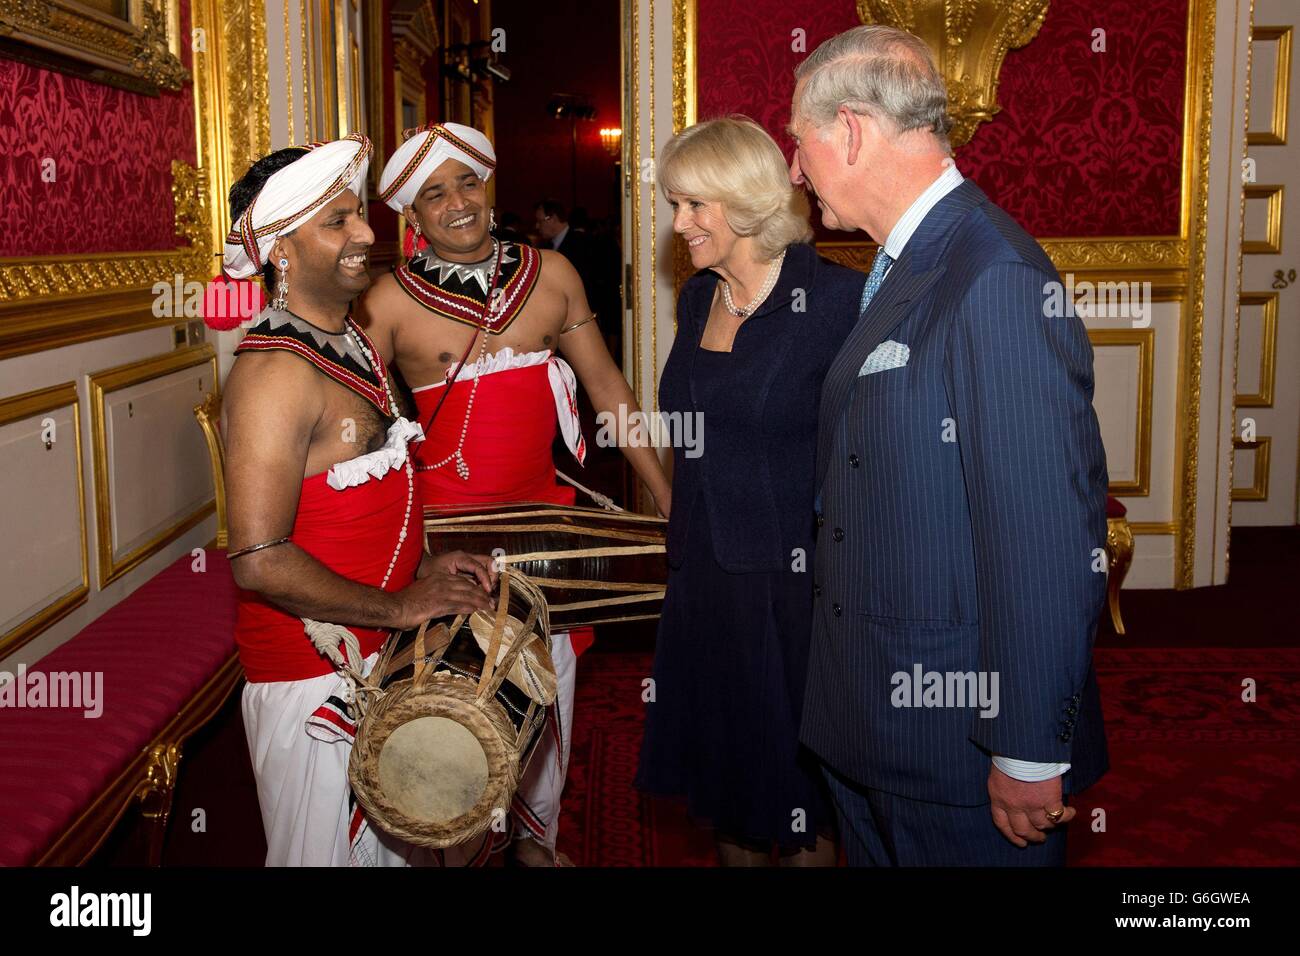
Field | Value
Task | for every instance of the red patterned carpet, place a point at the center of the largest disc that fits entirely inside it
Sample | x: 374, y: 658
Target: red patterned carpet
x: 1198, y: 776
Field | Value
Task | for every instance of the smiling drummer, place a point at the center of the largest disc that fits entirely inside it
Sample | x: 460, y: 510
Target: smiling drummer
x: 324, y: 508
x: 476, y: 326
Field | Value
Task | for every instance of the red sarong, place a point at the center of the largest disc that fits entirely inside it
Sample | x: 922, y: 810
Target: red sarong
x: 507, y: 446
x: 354, y: 533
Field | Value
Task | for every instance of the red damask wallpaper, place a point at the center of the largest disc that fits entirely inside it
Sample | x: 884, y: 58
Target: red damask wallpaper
x: 112, y: 152
x: 1087, y: 144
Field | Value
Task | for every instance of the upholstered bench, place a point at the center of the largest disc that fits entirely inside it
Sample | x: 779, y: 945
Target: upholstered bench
x: 167, y: 655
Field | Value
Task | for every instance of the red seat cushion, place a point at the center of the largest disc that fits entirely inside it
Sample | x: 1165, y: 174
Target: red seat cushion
x: 155, y: 650
x: 1115, y: 508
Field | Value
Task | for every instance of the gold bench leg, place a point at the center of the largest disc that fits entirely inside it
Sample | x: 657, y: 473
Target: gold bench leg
x: 1119, y: 555
x: 155, y: 795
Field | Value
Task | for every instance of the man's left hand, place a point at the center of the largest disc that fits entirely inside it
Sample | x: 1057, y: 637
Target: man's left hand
x: 1020, y: 807
x: 479, y: 566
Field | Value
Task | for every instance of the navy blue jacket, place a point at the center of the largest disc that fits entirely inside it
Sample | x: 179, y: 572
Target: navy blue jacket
x: 755, y: 475
x: 963, y: 503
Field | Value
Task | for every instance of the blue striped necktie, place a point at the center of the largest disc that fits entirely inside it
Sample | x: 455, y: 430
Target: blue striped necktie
x: 875, y: 278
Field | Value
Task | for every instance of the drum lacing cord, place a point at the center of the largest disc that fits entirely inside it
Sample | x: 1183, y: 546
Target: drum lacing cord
x: 332, y: 641
x: 603, y: 500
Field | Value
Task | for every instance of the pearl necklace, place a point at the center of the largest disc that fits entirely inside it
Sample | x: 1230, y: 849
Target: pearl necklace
x: 773, y: 271
x: 489, y: 308
x: 382, y: 375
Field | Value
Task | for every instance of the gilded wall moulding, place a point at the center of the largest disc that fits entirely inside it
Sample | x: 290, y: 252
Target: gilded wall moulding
x: 969, y: 39
x: 1151, y: 257
x: 50, y: 301
x: 137, y: 50
x: 190, y: 203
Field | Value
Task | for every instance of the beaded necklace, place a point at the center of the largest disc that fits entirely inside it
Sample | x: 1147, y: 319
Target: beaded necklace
x: 490, y: 306
x: 381, y: 373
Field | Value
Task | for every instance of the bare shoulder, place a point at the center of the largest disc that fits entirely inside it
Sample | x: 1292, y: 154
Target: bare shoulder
x: 556, y: 265
x: 558, y: 273
x: 272, y: 383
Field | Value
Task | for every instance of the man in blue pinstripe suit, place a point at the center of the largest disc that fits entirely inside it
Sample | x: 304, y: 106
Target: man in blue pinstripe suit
x: 960, y: 570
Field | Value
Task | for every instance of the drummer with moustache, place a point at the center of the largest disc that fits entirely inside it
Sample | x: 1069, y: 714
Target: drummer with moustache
x: 324, y: 511
x: 475, y: 325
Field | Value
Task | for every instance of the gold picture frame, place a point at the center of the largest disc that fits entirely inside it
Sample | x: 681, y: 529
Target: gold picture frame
x: 137, y: 49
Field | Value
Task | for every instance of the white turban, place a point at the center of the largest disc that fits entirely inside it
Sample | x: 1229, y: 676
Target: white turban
x: 426, y: 148
x: 293, y: 195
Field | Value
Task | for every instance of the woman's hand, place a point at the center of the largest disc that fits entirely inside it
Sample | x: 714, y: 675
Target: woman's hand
x: 664, y: 501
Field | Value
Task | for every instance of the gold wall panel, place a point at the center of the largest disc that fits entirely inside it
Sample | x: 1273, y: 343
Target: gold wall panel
x: 1258, y: 489
x: 16, y: 409
x: 1275, y: 135
x: 1144, y: 341
x: 1267, y: 349
x: 102, y: 384
x: 1271, y: 244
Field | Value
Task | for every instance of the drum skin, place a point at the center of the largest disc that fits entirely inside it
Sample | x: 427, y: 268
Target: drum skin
x: 568, y: 554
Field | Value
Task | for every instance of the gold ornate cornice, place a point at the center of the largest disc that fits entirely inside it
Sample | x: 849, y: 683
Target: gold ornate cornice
x: 134, y: 51
x: 415, y: 34
x: 969, y: 39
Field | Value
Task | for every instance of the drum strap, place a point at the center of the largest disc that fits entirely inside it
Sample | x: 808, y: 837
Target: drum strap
x: 342, y: 649
x: 498, y: 630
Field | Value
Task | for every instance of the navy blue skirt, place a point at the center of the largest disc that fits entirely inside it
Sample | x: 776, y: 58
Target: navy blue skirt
x: 723, y: 728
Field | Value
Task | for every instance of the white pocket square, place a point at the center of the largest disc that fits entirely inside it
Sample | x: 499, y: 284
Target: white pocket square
x: 888, y: 354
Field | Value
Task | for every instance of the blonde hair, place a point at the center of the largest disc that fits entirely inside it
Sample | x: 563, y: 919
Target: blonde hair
x: 735, y: 162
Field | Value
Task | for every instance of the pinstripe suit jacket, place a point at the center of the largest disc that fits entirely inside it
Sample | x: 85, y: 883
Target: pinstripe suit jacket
x: 962, y: 497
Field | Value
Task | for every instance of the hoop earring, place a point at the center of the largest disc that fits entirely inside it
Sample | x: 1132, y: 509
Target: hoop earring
x: 281, y: 300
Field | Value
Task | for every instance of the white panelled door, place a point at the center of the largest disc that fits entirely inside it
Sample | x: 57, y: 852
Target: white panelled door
x: 1264, y: 485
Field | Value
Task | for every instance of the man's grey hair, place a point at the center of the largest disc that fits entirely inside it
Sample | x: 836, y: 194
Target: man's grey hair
x: 878, y: 71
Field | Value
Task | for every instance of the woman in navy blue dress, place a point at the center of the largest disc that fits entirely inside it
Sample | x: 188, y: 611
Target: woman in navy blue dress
x: 757, y: 329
